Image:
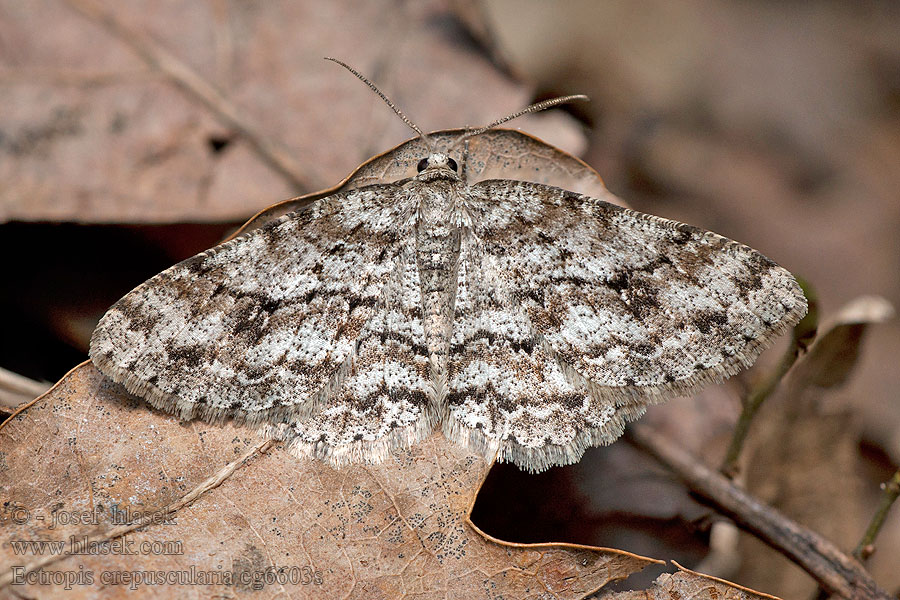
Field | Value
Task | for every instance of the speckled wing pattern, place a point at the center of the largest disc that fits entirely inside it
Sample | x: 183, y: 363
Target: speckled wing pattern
x: 510, y: 396
x: 279, y: 324
x: 526, y: 321
x: 385, y: 402
x: 593, y: 312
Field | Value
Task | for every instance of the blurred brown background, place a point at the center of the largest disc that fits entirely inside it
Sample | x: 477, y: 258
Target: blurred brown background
x: 134, y: 134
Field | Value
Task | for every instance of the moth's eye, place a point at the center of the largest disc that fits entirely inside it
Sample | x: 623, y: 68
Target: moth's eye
x: 422, y: 164
x: 452, y: 164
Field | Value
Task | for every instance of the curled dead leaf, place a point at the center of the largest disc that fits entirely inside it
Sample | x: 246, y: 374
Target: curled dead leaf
x: 835, y: 352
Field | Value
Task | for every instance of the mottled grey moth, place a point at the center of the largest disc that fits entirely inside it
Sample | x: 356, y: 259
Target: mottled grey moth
x: 524, y: 321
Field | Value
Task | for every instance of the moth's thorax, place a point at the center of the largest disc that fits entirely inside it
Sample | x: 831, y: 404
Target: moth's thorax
x: 436, y: 201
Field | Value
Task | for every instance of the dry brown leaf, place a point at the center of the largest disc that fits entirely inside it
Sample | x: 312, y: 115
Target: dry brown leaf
x: 836, y: 350
x: 84, y: 452
x: 136, y: 111
x: 156, y: 504
x: 494, y: 154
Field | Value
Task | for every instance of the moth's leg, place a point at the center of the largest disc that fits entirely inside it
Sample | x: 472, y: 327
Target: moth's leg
x: 464, y: 163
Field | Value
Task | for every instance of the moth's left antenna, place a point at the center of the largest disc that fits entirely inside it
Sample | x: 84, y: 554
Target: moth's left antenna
x: 387, y: 100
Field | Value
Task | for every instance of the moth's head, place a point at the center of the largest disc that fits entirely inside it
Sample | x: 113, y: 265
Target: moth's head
x: 437, y: 166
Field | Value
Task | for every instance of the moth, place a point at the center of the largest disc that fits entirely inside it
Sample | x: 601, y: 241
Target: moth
x: 524, y: 321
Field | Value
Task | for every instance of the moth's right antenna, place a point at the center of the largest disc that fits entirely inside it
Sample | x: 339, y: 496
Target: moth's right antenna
x: 387, y: 100
x: 528, y: 109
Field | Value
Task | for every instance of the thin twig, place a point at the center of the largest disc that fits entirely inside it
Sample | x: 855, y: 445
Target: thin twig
x: 802, y: 336
x: 836, y: 572
x: 866, y: 545
x: 197, y: 87
x: 751, y: 405
x: 15, y: 389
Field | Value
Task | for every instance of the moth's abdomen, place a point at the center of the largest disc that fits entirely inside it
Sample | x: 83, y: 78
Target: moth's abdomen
x: 437, y: 256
